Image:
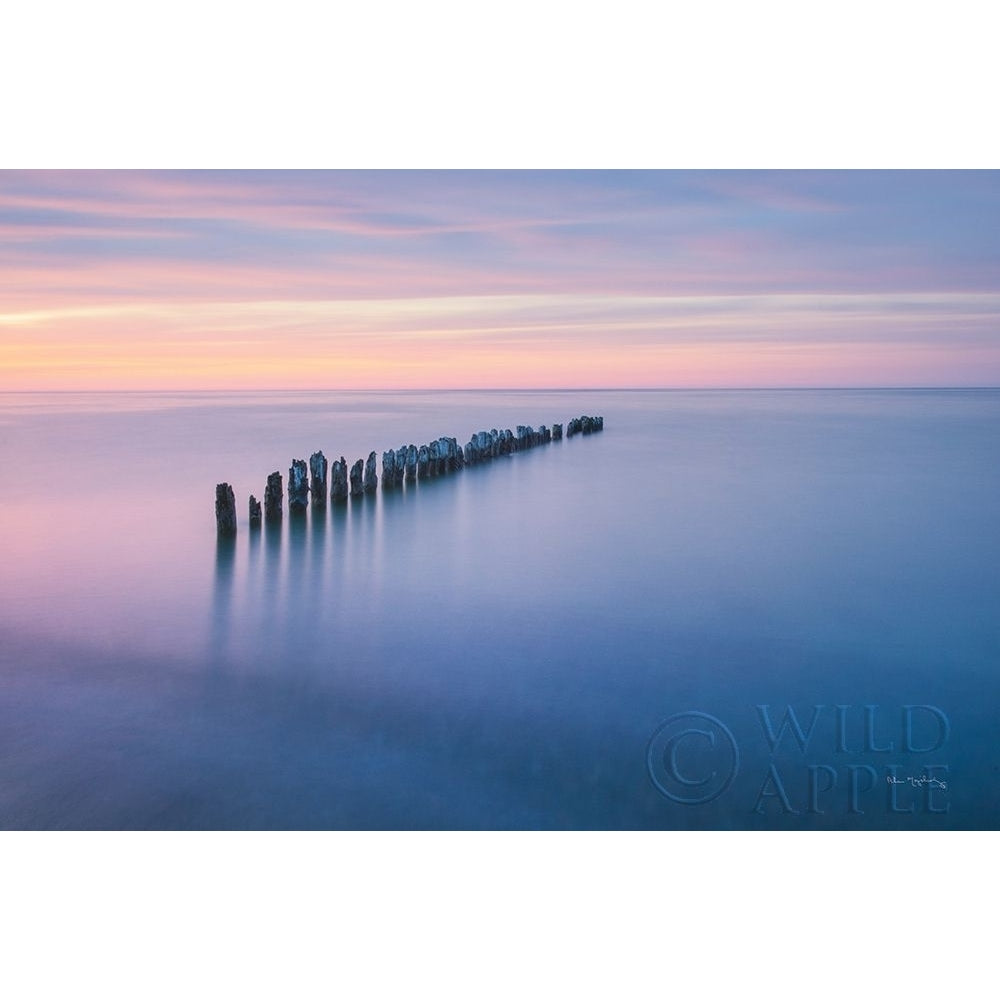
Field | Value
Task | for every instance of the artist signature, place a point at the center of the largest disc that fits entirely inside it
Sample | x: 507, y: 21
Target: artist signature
x: 916, y: 782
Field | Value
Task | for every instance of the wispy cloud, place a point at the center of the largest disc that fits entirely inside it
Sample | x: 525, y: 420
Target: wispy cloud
x: 370, y: 277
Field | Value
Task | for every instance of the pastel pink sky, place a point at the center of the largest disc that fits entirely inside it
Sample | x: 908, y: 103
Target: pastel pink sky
x: 137, y: 280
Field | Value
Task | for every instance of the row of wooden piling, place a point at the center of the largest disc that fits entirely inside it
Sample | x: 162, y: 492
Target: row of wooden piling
x: 409, y: 463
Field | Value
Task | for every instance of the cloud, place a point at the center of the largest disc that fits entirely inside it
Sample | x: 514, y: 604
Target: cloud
x: 618, y: 274
x: 378, y: 342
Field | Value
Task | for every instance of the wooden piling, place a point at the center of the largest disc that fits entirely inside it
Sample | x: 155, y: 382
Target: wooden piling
x: 406, y: 464
x: 584, y: 425
x: 317, y: 478
x: 225, y: 509
x: 388, y: 469
x: 371, y: 478
x: 338, y: 480
x: 357, y: 477
x: 298, y: 487
x: 273, y: 496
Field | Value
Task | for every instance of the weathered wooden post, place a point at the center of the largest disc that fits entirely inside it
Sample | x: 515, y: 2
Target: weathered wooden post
x: 388, y: 469
x: 273, y: 495
x: 317, y: 473
x: 400, y: 464
x: 225, y: 509
x: 453, y: 458
x: 408, y: 463
x: 357, y: 474
x: 298, y: 487
x: 371, y: 478
x: 338, y: 481
x: 584, y: 425
x: 392, y: 475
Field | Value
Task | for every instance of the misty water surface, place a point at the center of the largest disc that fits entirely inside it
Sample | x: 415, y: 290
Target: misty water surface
x: 498, y: 647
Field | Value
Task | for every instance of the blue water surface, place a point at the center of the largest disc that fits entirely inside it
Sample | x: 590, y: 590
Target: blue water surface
x: 604, y: 632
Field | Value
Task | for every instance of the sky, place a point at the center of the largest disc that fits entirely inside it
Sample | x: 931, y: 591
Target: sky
x: 476, y: 279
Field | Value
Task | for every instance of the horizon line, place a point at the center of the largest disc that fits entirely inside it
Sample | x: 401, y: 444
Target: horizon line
x: 534, y: 389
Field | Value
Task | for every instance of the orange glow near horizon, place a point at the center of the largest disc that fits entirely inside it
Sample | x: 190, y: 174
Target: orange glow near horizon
x: 489, y: 342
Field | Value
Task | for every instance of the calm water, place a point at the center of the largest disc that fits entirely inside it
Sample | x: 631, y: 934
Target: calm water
x: 499, y: 648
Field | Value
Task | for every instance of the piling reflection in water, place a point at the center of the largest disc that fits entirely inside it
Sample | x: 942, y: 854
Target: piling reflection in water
x: 319, y: 558
x: 307, y: 587
x: 276, y: 587
x: 225, y: 559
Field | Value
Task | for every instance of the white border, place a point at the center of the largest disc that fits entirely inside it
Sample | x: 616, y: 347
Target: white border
x: 492, y: 915
x: 542, y: 85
